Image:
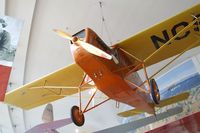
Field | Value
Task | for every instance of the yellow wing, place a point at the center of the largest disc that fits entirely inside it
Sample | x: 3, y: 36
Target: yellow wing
x: 179, y: 33
x: 165, y: 102
x: 47, y: 89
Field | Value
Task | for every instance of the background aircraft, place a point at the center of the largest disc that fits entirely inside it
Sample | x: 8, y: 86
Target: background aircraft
x: 49, y: 125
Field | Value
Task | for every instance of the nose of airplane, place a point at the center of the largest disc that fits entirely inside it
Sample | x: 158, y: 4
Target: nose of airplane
x: 74, y: 39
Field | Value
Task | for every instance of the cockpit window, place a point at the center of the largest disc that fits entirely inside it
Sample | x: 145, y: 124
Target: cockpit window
x: 80, y: 34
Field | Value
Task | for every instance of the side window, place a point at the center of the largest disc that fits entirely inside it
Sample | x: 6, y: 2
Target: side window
x: 103, y: 45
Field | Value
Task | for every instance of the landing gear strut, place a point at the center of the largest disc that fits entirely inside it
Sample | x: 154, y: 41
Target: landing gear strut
x: 154, y: 91
x: 77, y: 116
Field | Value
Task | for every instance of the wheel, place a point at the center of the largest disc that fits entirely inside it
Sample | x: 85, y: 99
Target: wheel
x: 154, y: 91
x: 77, y: 116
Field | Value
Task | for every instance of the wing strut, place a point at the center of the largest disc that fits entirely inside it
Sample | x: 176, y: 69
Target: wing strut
x: 86, y: 109
x: 141, y: 64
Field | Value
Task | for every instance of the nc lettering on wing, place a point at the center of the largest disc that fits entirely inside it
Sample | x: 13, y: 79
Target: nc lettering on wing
x: 158, y: 41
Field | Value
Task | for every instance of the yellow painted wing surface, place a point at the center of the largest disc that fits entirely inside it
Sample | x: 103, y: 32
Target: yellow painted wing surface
x: 165, y: 102
x: 47, y: 89
x: 177, y: 33
x: 174, y: 99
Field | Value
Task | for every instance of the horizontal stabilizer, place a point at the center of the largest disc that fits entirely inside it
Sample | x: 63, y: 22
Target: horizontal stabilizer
x: 174, y: 99
x: 165, y: 102
x: 131, y: 112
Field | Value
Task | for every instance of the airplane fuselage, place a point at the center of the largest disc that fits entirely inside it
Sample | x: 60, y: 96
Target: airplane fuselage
x: 106, y: 77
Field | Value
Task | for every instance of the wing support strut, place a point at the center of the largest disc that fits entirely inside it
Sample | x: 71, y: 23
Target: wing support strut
x: 79, y: 91
x: 86, y: 109
x: 141, y: 63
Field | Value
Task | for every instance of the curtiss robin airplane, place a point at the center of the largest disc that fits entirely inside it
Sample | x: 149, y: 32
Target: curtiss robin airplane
x: 113, y: 70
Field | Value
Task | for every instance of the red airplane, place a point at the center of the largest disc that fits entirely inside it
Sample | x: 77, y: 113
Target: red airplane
x: 113, y: 70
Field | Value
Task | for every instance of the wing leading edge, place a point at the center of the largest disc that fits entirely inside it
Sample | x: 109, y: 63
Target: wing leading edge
x: 61, y: 83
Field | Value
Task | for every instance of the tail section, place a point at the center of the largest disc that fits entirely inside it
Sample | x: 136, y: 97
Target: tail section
x: 131, y: 112
x: 48, y: 114
x: 175, y: 99
x: 135, y: 124
x: 4, y: 77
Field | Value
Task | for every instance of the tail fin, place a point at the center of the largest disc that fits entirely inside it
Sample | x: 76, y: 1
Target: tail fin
x: 4, y: 77
x: 48, y: 114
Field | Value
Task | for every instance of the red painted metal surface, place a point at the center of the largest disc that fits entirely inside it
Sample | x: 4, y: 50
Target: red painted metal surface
x: 188, y: 124
x: 4, y: 77
x: 102, y: 72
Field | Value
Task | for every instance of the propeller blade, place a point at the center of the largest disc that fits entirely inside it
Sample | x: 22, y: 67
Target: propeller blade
x: 63, y: 34
x: 88, y: 47
x: 94, y: 50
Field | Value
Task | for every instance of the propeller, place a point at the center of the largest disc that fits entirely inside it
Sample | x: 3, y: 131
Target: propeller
x: 87, y: 46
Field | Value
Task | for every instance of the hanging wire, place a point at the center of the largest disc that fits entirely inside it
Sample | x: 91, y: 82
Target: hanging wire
x: 102, y: 18
x: 104, y: 25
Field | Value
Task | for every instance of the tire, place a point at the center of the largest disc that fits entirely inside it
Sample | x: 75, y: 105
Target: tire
x: 154, y: 91
x: 77, y: 116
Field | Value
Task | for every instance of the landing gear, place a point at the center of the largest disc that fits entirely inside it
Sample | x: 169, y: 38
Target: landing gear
x: 154, y: 91
x: 77, y: 116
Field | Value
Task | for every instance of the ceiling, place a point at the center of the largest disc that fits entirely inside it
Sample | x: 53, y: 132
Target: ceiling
x: 41, y: 51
